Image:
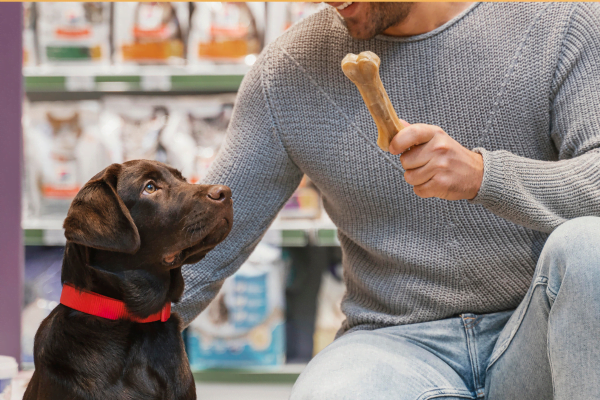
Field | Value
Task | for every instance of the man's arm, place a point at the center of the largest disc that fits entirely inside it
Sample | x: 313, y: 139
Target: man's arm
x: 543, y: 194
x: 255, y: 165
x: 539, y: 195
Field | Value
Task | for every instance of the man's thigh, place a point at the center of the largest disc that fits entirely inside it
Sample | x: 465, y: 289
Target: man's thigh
x: 378, y: 365
x: 522, y: 369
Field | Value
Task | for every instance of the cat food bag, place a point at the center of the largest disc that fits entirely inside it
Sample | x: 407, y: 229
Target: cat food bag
x: 150, y: 33
x: 73, y: 32
x: 63, y: 150
x: 196, y: 130
x: 225, y: 32
x: 137, y: 125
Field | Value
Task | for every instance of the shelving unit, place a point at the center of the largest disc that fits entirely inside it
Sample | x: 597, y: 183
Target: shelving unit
x: 287, y: 233
x: 209, y: 78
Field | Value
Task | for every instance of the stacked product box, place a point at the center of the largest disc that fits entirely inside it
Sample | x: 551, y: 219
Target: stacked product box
x: 244, y: 325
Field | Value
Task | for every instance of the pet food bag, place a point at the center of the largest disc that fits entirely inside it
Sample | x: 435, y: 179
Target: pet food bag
x: 63, y: 150
x: 280, y: 16
x: 243, y: 326
x: 137, y: 125
x: 300, y: 10
x: 29, y: 53
x: 225, y: 32
x: 150, y: 33
x: 8, y: 370
x: 195, y: 132
x: 73, y: 32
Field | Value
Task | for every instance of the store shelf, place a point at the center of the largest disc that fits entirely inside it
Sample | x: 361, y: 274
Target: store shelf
x: 287, y: 373
x: 287, y: 233
x: 111, y: 79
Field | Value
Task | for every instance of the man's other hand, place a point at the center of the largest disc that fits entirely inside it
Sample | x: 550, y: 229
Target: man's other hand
x: 437, y: 165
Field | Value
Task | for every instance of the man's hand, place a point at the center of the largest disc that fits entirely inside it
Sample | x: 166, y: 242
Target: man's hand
x: 437, y: 165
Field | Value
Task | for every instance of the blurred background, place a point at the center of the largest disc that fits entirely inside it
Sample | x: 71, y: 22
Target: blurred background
x: 111, y: 82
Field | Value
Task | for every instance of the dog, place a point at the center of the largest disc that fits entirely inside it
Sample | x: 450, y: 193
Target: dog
x: 129, y: 230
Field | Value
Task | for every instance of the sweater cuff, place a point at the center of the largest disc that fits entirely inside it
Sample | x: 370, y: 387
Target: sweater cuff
x: 493, y: 184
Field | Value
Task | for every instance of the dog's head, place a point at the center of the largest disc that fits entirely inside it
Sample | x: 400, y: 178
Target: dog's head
x: 143, y: 216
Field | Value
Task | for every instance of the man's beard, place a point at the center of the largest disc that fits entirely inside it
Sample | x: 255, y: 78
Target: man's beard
x: 379, y: 17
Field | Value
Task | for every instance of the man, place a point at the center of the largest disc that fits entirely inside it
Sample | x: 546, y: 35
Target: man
x: 478, y: 216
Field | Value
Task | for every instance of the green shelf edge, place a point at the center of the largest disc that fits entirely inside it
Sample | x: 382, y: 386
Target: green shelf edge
x: 212, y: 83
x: 243, y: 376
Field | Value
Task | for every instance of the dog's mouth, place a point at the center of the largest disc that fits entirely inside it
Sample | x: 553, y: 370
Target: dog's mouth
x: 207, y: 242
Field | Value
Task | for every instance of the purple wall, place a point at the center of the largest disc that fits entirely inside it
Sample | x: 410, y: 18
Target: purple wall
x: 11, y: 242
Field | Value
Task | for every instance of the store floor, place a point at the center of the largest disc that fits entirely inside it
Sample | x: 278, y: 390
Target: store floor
x: 220, y: 391
x: 205, y: 391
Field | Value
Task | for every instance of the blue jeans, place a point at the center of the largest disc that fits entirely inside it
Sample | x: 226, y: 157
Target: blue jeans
x: 548, y: 348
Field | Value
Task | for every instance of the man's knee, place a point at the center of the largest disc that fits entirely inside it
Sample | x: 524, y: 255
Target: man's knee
x: 336, y: 373
x: 574, y: 249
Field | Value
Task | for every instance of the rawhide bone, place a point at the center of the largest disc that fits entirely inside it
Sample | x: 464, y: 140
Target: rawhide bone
x: 363, y: 70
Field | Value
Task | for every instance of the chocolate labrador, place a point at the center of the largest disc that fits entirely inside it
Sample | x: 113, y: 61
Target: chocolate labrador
x: 129, y: 230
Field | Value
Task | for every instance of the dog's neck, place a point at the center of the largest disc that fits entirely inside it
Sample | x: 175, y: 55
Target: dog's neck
x: 144, y: 289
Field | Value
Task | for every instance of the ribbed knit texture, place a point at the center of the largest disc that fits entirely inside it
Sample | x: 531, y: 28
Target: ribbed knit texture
x: 517, y: 82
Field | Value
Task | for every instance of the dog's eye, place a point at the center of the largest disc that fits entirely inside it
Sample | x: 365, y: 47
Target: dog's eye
x: 149, y: 188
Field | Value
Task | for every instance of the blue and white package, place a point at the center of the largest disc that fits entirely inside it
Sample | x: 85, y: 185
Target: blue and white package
x: 8, y: 370
x: 243, y: 327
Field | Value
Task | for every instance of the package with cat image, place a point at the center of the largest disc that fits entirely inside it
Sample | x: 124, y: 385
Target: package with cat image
x: 226, y: 32
x: 73, y: 33
x: 196, y: 131
x: 150, y: 33
x: 63, y: 149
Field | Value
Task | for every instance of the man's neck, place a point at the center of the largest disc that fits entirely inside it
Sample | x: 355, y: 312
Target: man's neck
x: 425, y: 17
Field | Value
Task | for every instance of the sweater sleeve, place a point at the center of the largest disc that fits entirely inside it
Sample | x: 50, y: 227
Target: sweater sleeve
x: 541, y: 195
x: 255, y: 165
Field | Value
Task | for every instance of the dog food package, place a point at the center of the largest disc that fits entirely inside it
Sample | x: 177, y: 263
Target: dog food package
x: 225, y: 32
x: 63, y: 150
x: 195, y: 132
x: 73, y: 32
x: 150, y: 33
x: 329, y: 308
x: 29, y: 53
x: 243, y: 326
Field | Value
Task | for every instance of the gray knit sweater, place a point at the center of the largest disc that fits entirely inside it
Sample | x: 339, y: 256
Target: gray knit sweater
x: 517, y: 82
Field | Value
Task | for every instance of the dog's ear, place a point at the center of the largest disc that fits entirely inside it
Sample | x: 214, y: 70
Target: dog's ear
x: 98, y: 217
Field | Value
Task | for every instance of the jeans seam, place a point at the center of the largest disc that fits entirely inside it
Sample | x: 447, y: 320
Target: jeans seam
x: 540, y: 280
x: 472, y: 348
x: 445, y: 392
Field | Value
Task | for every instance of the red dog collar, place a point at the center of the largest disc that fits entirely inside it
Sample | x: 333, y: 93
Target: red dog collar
x: 105, y: 307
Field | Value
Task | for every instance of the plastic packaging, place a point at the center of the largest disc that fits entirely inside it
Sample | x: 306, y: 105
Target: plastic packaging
x: 195, y: 132
x: 224, y: 32
x: 8, y: 370
x: 150, y: 33
x: 243, y: 327
x: 63, y: 150
x: 300, y: 10
x: 73, y: 32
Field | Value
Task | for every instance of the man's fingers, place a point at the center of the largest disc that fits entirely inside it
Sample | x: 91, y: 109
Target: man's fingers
x: 416, y: 156
x: 411, y: 136
x: 420, y: 175
x: 434, y: 187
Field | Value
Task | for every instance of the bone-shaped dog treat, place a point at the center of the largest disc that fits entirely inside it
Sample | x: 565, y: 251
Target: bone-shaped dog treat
x: 363, y: 70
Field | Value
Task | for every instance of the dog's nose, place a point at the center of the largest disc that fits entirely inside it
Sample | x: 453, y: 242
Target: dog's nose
x: 219, y: 193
